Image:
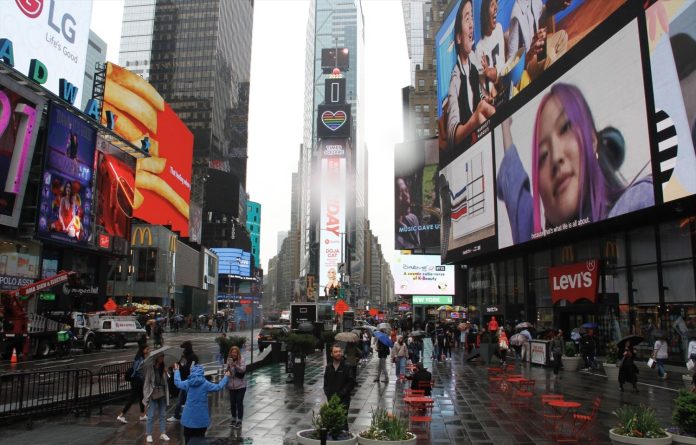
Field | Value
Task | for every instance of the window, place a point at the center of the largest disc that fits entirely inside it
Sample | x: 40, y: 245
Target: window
x: 426, y: 108
x: 421, y: 84
x: 146, y: 261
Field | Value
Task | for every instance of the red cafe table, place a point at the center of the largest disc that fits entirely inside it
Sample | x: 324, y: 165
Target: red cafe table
x: 562, y: 408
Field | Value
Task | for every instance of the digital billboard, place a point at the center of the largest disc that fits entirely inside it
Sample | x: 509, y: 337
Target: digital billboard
x: 162, y: 181
x: 20, y: 118
x: 65, y: 208
x: 115, y: 188
x: 332, y: 219
x: 496, y: 49
x: 232, y: 262
x: 54, y: 32
x: 578, y: 152
x: 333, y: 121
x: 421, y: 275
x: 467, y: 194
x: 672, y: 45
x: 416, y: 202
x: 334, y: 58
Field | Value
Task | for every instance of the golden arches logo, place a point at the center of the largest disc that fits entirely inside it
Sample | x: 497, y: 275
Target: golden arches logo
x: 172, y: 243
x: 611, y: 250
x: 143, y: 232
x: 567, y: 254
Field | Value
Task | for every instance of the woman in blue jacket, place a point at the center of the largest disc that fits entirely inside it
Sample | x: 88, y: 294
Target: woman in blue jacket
x: 195, y: 418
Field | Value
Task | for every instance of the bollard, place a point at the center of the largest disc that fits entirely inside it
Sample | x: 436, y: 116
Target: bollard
x: 323, y: 433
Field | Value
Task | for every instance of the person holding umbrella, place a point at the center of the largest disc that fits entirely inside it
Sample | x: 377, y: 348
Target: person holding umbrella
x: 628, y: 371
x: 196, y: 417
x: 382, y: 343
x: 156, y: 395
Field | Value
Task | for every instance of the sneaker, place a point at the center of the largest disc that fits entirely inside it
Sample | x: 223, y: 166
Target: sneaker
x: 164, y: 437
x: 172, y: 419
x: 143, y: 418
x: 121, y: 419
x: 149, y: 439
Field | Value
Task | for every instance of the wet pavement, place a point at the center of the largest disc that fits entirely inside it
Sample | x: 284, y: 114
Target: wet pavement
x: 466, y: 410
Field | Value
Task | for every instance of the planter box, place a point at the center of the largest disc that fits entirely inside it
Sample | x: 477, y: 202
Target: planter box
x: 616, y: 439
x: 612, y: 372
x: 571, y: 363
x: 301, y: 440
x: 411, y: 441
x: 683, y: 440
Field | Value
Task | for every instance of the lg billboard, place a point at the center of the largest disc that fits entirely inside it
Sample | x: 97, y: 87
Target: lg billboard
x: 162, y: 181
x: 55, y: 32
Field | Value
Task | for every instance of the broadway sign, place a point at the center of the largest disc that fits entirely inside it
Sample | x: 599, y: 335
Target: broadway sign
x: 573, y: 282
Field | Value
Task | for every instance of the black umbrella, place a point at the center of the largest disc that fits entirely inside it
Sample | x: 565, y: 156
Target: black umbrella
x: 634, y: 339
x: 305, y: 326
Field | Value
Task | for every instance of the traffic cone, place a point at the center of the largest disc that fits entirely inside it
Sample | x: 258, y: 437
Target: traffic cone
x: 14, y: 356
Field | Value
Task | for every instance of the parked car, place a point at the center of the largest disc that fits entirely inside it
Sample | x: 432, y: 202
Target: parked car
x: 270, y: 333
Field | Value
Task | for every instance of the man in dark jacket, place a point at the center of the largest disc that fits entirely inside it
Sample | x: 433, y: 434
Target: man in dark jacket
x: 421, y: 375
x: 339, y: 378
x: 185, y: 362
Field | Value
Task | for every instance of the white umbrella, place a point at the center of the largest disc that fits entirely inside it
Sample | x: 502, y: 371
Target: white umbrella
x: 170, y: 353
x: 386, y: 326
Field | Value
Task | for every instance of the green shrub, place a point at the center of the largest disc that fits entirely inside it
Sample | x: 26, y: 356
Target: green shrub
x: 684, y: 414
x: 226, y: 343
x: 332, y: 416
x: 612, y: 355
x: 570, y: 349
x: 301, y: 343
x: 386, y: 426
x: 638, y: 421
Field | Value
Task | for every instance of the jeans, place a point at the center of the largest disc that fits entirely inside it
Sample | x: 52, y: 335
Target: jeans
x: 400, y: 366
x: 237, y: 403
x: 556, y: 362
x: 660, y: 367
x: 180, y: 403
x: 382, y: 369
x: 158, y: 406
x: 366, y: 350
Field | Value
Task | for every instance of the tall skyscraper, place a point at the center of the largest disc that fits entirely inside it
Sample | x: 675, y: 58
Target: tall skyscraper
x: 422, y: 19
x: 96, y: 54
x: 197, y: 54
x: 334, y: 25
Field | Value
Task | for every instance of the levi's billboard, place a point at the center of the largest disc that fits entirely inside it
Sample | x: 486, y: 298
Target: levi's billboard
x: 54, y: 32
x: 573, y: 282
x: 162, y: 181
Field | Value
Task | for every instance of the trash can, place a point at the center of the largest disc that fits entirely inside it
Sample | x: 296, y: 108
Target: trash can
x: 298, y: 369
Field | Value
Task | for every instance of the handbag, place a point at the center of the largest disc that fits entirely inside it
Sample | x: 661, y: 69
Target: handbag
x: 157, y: 393
x: 690, y: 365
x: 651, y: 363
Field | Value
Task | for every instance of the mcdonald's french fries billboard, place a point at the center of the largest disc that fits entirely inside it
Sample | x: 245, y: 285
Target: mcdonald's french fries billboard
x: 162, y: 181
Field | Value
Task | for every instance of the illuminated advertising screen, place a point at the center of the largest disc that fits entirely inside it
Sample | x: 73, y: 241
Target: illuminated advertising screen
x: 421, y: 275
x: 20, y: 118
x: 416, y: 203
x: 233, y: 263
x: 333, y: 121
x: 332, y: 220
x: 672, y: 45
x: 496, y: 49
x: 578, y: 152
x: 115, y: 189
x: 334, y: 58
x: 65, y: 212
x: 162, y: 181
x: 468, y: 203
x: 54, y: 32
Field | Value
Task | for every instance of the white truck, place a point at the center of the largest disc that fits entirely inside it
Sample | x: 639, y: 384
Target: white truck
x: 115, y: 330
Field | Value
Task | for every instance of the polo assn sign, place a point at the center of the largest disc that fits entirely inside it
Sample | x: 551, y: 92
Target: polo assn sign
x: 573, y: 282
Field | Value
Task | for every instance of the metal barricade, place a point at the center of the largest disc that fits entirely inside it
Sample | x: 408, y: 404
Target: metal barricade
x: 26, y: 394
x: 112, y: 384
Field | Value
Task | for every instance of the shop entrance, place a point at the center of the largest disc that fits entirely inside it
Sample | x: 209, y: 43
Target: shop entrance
x: 575, y: 315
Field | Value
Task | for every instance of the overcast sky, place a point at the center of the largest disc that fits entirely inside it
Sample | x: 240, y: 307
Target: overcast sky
x: 276, y: 105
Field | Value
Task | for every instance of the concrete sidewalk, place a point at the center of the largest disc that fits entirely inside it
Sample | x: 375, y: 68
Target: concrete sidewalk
x: 465, y: 411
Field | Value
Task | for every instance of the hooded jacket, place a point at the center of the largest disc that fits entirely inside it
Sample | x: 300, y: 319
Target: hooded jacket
x: 195, y: 413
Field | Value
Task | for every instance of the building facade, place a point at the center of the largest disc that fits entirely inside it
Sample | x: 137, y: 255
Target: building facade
x: 253, y: 225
